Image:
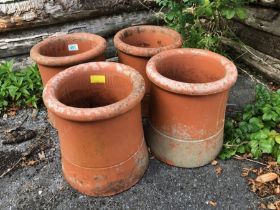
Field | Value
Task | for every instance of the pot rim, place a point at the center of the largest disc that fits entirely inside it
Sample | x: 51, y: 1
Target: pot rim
x: 98, y: 113
x: 143, y: 51
x: 70, y: 60
x: 192, y: 88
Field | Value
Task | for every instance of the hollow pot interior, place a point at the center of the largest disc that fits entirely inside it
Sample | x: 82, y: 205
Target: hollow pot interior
x: 149, y: 37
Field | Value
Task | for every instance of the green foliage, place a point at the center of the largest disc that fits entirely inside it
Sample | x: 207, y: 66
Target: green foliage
x: 201, y: 22
x: 19, y: 88
x: 257, y: 130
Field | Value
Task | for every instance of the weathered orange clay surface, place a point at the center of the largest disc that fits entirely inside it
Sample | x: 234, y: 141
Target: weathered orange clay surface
x: 188, y: 100
x: 98, y: 116
x: 55, y: 54
x: 137, y: 44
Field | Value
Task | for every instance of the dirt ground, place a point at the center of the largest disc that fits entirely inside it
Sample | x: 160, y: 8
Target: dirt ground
x: 36, y: 180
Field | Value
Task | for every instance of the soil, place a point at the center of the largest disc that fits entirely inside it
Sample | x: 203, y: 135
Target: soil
x: 8, y: 159
x: 37, y: 181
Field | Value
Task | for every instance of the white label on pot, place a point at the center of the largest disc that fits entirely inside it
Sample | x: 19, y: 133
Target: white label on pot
x: 73, y: 47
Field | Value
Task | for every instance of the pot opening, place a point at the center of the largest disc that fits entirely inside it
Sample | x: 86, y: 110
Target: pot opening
x: 190, y: 68
x: 147, y: 38
x: 83, y: 91
x: 61, y: 47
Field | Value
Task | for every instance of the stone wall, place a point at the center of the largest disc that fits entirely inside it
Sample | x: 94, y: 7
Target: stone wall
x: 24, y: 23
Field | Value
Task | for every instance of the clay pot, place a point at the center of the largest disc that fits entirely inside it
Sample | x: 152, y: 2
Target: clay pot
x: 136, y: 45
x: 55, y: 54
x: 188, y: 100
x: 98, y: 117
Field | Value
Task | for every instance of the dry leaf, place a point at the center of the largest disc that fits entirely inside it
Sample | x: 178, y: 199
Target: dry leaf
x: 245, y: 172
x: 42, y: 155
x: 272, y: 163
x: 277, y: 204
x: 277, y: 190
x: 34, y: 113
x: 271, y: 206
x: 218, y: 170
x: 255, y: 170
x: 12, y: 111
x: 214, y: 162
x: 212, y: 203
x: 253, y: 188
x: 238, y: 157
x: 31, y: 162
x: 60, y: 188
x: 268, y: 177
x: 266, y: 182
x: 262, y: 206
x: 249, y: 155
x: 260, y: 171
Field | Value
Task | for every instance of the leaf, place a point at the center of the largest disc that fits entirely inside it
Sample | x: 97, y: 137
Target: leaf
x: 12, y: 90
x: 278, y: 157
x: 244, y: 127
x: 256, y: 152
x: 18, y: 95
x: 271, y: 206
x: 41, y: 155
x: 5, y: 103
x: 266, y: 145
x: 253, y: 128
x: 277, y: 109
x: 206, y: 2
x: 208, y: 11
x: 277, y: 138
x: 218, y: 170
x: 253, y: 143
x: 19, y: 81
x: 241, y: 13
x: 227, y: 153
x: 228, y: 13
x: 268, y: 177
x: 214, y: 162
x: 267, y: 117
x: 262, y: 134
x: 17, y: 86
x: 170, y: 15
x: 212, y: 203
x: 31, y: 162
x: 245, y: 172
x: 247, y: 115
x: 241, y: 149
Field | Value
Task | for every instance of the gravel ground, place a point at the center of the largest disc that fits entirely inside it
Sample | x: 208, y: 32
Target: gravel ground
x: 42, y: 186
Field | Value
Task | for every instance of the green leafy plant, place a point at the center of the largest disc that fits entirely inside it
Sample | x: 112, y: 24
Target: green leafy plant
x: 257, y: 131
x: 19, y: 88
x: 202, y: 22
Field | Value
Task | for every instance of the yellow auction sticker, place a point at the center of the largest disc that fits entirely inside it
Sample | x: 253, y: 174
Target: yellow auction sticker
x: 101, y: 79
